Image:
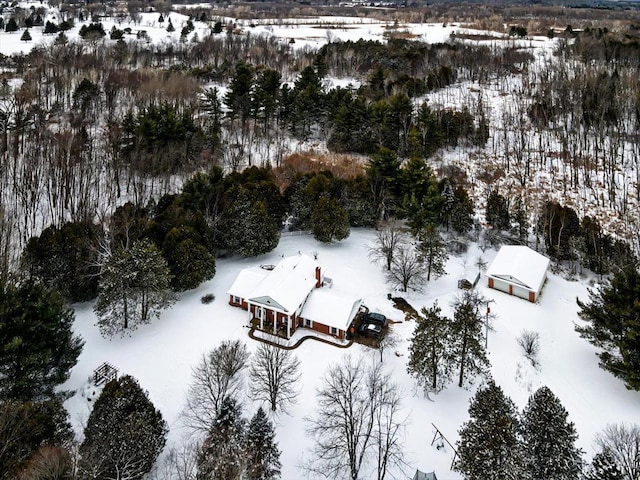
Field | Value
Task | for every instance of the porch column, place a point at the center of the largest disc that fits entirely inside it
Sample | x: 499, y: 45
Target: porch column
x: 288, y: 327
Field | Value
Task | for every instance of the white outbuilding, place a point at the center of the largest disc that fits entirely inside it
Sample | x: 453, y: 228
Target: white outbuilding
x: 518, y: 270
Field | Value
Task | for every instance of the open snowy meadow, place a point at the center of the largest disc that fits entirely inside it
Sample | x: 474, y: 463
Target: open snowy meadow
x: 162, y: 354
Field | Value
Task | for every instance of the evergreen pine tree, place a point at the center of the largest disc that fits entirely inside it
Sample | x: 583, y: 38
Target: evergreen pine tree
x: 263, y: 456
x: 329, y: 220
x: 603, y: 467
x: 125, y: 433
x: 383, y: 173
x: 50, y: 27
x: 65, y: 259
x: 448, y: 202
x: 250, y: 230
x: 221, y: 456
x: 433, y: 252
x: 133, y: 289
x: 489, y: 448
x: 468, y: 345
x: 549, y: 439
x: 191, y: 263
x: 26, y: 36
x: 38, y: 345
x: 212, y: 106
x: 462, y: 212
x: 11, y: 26
x: 497, y: 213
x: 422, y: 202
x: 429, y: 356
x: 520, y: 217
x: 170, y: 27
x: 613, y: 313
x: 238, y: 98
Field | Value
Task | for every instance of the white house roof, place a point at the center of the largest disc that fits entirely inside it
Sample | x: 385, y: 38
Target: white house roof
x: 331, y: 308
x: 247, y: 281
x: 519, y: 265
x: 287, y: 285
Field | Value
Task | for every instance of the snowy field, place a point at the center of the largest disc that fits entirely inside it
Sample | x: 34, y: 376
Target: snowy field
x: 310, y: 33
x: 161, y: 355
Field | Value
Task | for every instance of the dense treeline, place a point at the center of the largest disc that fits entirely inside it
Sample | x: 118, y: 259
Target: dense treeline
x: 91, y: 127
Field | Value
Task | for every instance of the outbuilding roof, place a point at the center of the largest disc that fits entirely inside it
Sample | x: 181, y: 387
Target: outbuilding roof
x: 519, y: 265
x: 331, y: 308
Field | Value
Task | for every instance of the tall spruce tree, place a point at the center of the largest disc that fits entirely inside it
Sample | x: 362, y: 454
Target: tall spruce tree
x: 603, y: 467
x: 489, y: 447
x: 497, y: 212
x: 433, y: 252
x: 430, y: 360
x: 549, y: 439
x: 38, y: 345
x: 263, y: 456
x: 329, y: 220
x: 124, y: 435
x: 461, y: 216
x: 133, y: 289
x: 468, y: 345
x: 238, y: 98
x: 613, y: 313
x: 221, y: 457
x: 249, y: 228
x: 66, y: 259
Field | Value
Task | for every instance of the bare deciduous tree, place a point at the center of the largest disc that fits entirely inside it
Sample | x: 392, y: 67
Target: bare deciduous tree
x: 275, y: 376
x: 387, y: 342
x: 358, y: 415
x: 390, y: 235
x: 180, y: 463
x: 407, y: 270
x: 218, y: 375
x: 622, y: 441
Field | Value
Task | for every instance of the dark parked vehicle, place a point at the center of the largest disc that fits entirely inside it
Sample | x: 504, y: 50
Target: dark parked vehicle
x: 372, y: 330
x: 375, y: 318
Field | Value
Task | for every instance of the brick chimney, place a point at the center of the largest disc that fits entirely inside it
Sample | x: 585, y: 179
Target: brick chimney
x: 318, y: 278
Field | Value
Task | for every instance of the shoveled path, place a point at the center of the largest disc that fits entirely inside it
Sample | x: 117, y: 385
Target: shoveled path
x: 297, y: 344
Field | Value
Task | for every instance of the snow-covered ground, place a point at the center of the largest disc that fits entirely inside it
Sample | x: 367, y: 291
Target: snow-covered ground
x: 161, y: 355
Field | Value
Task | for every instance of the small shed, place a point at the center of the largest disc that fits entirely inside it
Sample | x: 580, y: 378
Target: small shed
x: 424, y: 476
x: 519, y: 271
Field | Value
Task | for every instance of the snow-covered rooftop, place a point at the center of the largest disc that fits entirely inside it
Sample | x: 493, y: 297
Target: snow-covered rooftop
x: 331, y: 308
x: 289, y: 283
x: 247, y: 281
x: 520, y: 264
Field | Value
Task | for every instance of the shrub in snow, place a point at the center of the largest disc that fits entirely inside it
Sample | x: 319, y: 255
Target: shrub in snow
x: 208, y: 298
x: 530, y: 343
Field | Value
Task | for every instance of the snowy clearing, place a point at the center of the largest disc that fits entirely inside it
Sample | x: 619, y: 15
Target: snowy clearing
x: 161, y: 355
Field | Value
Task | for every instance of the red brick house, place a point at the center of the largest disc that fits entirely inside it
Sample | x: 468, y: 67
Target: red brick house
x: 293, y: 294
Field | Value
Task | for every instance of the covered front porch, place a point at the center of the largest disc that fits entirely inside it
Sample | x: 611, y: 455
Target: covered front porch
x: 271, y: 321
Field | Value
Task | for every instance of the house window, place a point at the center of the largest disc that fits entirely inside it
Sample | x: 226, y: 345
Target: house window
x: 237, y: 300
x: 307, y: 323
x: 259, y: 313
x: 333, y: 330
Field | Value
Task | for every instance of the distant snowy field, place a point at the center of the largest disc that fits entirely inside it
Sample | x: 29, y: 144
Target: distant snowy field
x: 161, y: 355
x: 311, y: 33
